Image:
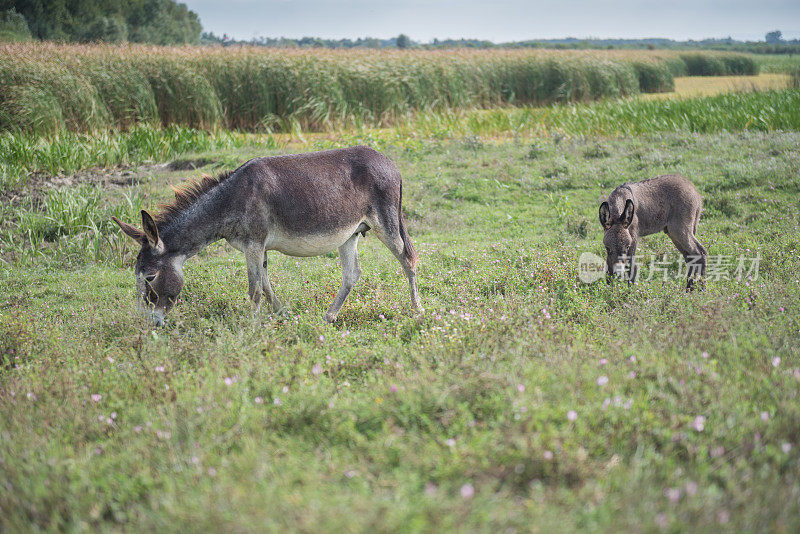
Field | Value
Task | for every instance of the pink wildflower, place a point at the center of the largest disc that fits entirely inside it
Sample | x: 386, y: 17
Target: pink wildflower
x: 699, y: 423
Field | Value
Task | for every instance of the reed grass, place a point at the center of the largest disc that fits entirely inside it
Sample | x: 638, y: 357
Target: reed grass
x: 794, y: 78
x: 47, y: 88
x: 699, y: 64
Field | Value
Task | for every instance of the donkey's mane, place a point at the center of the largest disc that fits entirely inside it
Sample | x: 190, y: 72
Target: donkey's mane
x: 186, y: 194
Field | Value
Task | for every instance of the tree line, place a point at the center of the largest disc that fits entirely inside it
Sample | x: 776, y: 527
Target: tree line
x: 162, y: 22
x: 167, y: 22
x: 773, y: 44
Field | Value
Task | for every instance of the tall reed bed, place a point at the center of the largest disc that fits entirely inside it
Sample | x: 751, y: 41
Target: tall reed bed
x: 47, y: 88
x: 699, y: 64
x: 794, y: 78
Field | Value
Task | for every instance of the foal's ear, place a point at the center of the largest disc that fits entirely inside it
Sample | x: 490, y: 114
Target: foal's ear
x: 130, y: 231
x: 605, y: 215
x: 627, y: 213
x: 150, y: 228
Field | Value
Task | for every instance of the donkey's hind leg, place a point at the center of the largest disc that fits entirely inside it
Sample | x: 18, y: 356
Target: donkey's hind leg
x: 390, y: 235
x: 351, y: 272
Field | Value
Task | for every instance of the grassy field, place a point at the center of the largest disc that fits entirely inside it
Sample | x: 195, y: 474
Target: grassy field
x: 47, y: 88
x: 521, y: 400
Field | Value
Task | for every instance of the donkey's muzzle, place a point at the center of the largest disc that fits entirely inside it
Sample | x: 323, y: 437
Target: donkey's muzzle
x: 156, y: 318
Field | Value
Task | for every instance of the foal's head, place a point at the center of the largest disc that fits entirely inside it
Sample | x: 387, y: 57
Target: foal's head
x: 159, y: 273
x: 619, y: 241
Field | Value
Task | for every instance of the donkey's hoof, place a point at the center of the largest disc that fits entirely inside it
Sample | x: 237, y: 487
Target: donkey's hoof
x: 692, y: 285
x: 283, y: 312
x: 331, y: 317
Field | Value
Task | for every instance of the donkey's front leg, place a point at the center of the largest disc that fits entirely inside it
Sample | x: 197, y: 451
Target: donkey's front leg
x: 277, y: 307
x: 254, y: 255
x: 351, y: 272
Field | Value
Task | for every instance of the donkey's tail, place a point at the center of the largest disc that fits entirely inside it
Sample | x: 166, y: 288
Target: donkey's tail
x: 408, y: 249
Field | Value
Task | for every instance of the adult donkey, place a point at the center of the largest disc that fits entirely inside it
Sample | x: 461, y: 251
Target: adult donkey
x: 300, y: 205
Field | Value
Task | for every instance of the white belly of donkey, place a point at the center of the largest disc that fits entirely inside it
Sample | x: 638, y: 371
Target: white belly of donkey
x: 293, y: 244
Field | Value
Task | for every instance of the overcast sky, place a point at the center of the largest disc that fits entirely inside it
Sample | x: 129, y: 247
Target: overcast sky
x: 499, y: 20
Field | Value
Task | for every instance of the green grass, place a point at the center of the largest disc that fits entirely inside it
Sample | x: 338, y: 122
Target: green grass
x: 759, y: 111
x: 23, y: 155
x: 47, y: 88
x: 386, y: 420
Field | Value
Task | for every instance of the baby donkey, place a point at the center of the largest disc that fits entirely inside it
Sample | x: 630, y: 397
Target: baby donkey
x: 670, y: 203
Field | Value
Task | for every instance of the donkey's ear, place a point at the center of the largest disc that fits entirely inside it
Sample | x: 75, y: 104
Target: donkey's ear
x: 150, y: 229
x: 627, y: 213
x: 130, y: 231
x: 605, y: 215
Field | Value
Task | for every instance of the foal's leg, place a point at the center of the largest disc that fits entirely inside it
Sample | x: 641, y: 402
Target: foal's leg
x: 698, y: 245
x: 267, y: 287
x: 703, y: 256
x: 694, y: 254
x: 633, y: 268
x: 254, y: 256
x: 351, y: 272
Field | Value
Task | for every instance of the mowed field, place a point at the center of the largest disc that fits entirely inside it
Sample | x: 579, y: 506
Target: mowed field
x: 691, y: 86
x: 522, y: 399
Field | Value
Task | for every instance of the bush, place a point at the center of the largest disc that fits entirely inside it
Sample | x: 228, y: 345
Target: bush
x: 13, y: 27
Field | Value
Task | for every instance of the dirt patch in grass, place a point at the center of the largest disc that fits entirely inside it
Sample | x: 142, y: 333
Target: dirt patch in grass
x: 189, y: 164
x: 39, y: 183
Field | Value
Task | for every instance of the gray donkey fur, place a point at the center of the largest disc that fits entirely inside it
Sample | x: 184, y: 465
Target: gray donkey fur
x: 300, y: 205
x: 670, y: 203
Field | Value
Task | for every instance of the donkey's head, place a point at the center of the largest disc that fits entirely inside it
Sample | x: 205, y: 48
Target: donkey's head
x: 159, y: 273
x: 619, y: 240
